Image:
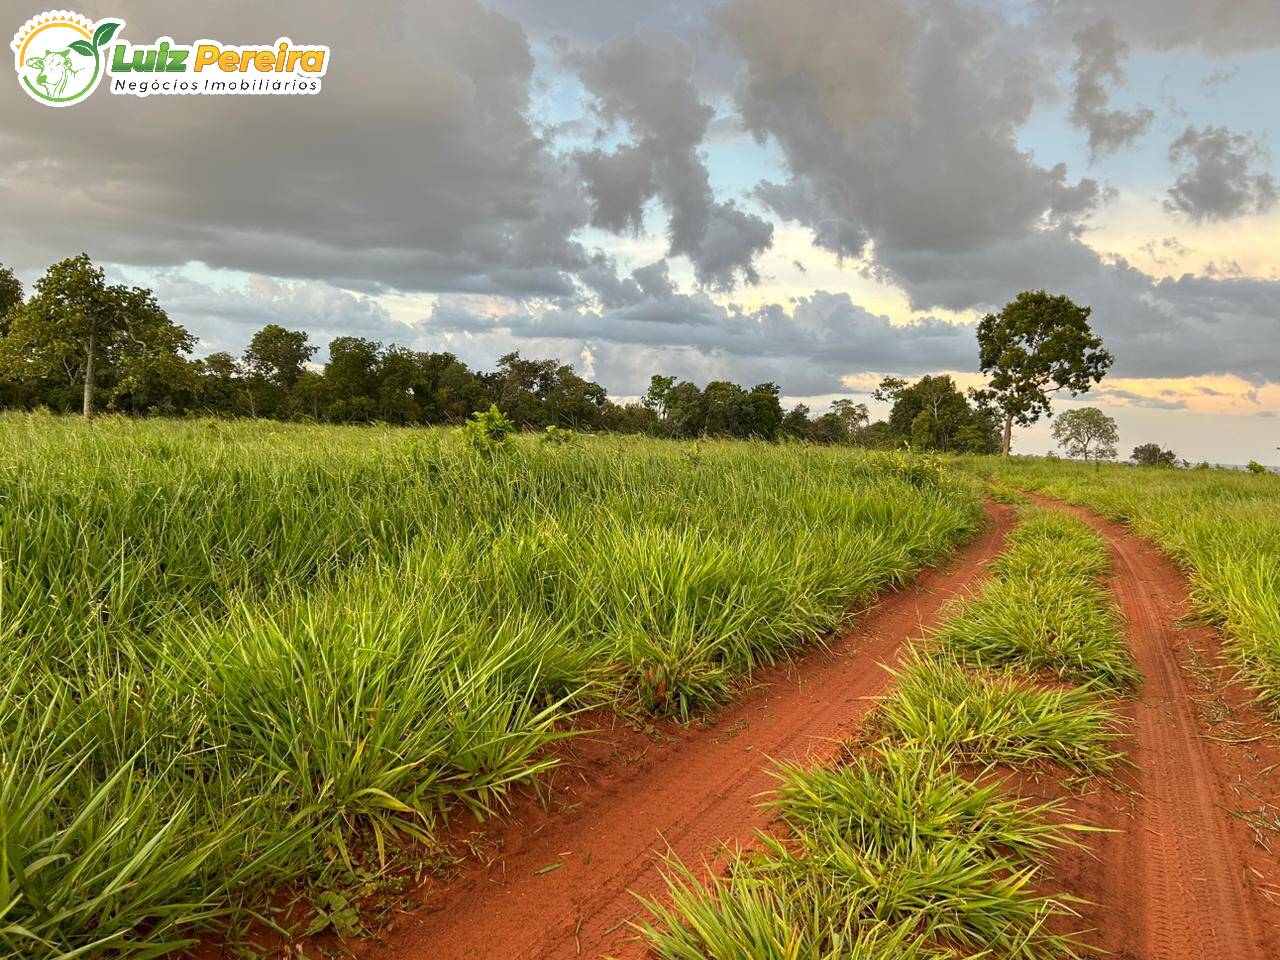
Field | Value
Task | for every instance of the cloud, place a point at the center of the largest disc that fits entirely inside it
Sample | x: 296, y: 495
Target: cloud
x: 1097, y: 67
x: 899, y: 125
x: 645, y: 82
x: 1184, y: 326
x: 416, y: 167
x: 1218, y: 78
x: 224, y: 318
x: 1217, y: 27
x: 809, y: 348
x: 652, y: 282
x: 1218, y: 177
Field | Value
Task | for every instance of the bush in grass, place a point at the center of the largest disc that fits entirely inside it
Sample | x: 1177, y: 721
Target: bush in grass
x: 900, y: 797
x: 1223, y: 526
x: 1053, y: 625
x: 556, y: 435
x: 920, y: 470
x: 1051, y: 543
x: 488, y: 429
x: 1044, y: 611
x: 749, y: 915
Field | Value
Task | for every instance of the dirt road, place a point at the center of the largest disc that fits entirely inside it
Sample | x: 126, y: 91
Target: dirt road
x: 563, y: 885
x: 1182, y: 879
x: 1189, y: 871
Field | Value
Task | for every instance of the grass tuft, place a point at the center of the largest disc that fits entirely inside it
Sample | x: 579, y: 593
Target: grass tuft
x: 894, y: 856
x: 1001, y: 718
x: 1044, y: 611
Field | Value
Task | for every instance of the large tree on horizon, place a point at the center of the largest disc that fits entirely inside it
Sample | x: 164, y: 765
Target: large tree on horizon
x: 1037, y: 344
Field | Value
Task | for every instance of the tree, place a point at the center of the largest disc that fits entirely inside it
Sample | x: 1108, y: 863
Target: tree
x: 1153, y: 455
x: 402, y: 375
x: 278, y: 355
x: 10, y: 296
x: 1087, y: 434
x: 1036, y: 344
x: 629, y: 418
x: 78, y: 330
x: 760, y: 413
x: 573, y: 401
x: 796, y: 423
x: 932, y: 414
x: 145, y: 363
x: 656, y: 397
x: 685, y: 412
x: 352, y: 379
x: 853, y: 417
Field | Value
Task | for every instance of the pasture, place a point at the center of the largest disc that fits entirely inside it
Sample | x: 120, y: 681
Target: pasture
x: 245, y: 656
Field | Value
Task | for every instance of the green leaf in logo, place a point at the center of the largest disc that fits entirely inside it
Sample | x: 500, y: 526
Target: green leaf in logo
x: 82, y: 47
x: 104, y: 33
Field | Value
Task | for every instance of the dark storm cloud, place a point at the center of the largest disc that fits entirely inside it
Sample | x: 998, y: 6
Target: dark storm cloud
x: 1219, y: 175
x: 1173, y: 327
x: 898, y: 125
x: 905, y: 153
x: 604, y: 20
x: 416, y: 167
x: 645, y: 83
x: 419, y: 168
x: 1098, y: 68
x: 600, y: 277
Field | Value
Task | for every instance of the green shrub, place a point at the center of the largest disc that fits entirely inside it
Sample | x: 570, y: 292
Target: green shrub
x: 488, y: 429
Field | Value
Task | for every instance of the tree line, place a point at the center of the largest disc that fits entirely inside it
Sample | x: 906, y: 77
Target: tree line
x: 80, y: 343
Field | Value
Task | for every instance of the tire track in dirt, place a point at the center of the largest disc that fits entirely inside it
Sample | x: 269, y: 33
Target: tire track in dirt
x: 693, y: 794
x: 1173, y: 883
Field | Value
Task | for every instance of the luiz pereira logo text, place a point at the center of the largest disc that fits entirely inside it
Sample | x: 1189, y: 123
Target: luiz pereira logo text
x: 62, y: 57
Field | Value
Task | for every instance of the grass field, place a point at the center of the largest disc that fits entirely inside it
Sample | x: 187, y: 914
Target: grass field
x: 246, y: 655
x: 1222, y: 525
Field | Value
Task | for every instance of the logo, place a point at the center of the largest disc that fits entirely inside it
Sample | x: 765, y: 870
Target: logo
x: 61, y: 56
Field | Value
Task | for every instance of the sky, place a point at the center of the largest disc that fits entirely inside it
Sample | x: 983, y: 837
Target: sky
x: 816, y: 193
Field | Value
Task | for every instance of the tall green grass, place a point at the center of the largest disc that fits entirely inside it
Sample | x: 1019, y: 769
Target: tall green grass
x: 987, y: 718
x: 244, y: 655
x: 1045, y: 610
x: 892, y: 856
x: 1223, y: 526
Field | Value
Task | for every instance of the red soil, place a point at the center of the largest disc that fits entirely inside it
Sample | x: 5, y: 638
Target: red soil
x: 1184, y: 877
x: 563, y: 884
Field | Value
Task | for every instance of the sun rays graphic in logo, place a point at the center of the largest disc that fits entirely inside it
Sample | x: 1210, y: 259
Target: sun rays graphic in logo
x: 60, y: 56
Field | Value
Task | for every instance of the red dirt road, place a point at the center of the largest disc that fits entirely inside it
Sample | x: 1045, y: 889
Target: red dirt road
x: 690, y: 794
x: 1182, y: 879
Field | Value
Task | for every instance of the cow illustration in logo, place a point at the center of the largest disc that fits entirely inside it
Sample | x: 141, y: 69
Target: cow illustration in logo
x: 59, y: 56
